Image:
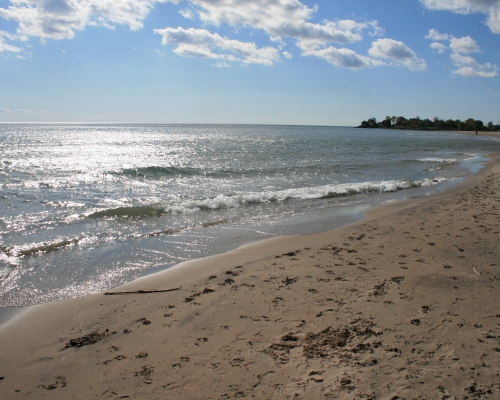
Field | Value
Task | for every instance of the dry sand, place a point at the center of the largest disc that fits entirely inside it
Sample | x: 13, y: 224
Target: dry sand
x: 402, y: 305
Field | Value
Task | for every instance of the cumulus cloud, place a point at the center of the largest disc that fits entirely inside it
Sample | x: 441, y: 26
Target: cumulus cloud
x: 343, y: 57
x: 489, y: 7
x: 291, y: 20
x: 438, y: 47
x: 398, y: 53
x: 282, y: 18
x: 59, y: 19
x: 466, y: 66
x: 435, y: 35
x: 285, y: 22
x: 464, y: 45
x: 202, y: 43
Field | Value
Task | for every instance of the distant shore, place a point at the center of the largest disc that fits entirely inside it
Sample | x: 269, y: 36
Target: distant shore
x: 436, y: 124
x: 408, y: 128
x: 400, y: 305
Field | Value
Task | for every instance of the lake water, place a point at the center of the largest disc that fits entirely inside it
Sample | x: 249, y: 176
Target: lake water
x: 84, y: 208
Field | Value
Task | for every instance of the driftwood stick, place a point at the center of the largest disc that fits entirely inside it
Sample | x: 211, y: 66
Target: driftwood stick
x: 142, y: 291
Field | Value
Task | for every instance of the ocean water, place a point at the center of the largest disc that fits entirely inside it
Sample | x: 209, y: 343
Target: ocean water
x: 84, y: 208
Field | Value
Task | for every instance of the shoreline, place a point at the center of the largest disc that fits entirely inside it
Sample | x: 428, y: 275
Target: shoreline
x: 79, y: 267
x: 12, y: 313
x: 35, y: 359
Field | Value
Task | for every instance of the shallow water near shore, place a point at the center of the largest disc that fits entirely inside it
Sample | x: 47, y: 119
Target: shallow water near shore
x: 90, y: 207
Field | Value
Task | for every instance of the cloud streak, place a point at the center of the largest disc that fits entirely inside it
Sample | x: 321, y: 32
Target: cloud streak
x: 7, y: 47
x: 204, y: 44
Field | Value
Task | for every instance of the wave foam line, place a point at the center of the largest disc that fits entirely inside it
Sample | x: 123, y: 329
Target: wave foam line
x: 312, y: 193
x: 239, y: 199
x: 439, y: 160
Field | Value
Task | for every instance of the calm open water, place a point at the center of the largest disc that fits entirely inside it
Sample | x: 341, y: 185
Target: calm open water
x: 84, y: 208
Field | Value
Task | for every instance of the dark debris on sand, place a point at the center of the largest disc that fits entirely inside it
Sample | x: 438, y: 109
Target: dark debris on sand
x: 344, y: 343
x: 91, y: 338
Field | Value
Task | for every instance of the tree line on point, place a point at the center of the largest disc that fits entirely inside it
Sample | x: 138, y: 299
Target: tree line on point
x: 436, y: 123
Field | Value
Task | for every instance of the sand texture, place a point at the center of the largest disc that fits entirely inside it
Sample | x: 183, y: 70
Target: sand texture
x: 402, y: 305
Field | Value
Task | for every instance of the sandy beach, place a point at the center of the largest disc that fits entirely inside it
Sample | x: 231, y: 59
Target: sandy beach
x: 401, y: 305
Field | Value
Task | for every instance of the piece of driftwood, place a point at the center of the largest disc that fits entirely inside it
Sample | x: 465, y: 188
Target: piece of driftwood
x: 142, y: 291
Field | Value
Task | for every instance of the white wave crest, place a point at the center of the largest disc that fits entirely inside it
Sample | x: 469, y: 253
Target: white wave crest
x: 309, y: 193
x: 439, y: 160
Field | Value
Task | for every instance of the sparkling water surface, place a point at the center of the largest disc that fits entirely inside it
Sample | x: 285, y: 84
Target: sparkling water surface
x: 84, y: 208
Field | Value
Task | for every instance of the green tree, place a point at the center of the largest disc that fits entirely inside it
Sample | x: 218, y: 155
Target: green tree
x: 478, y: 125
x: 386, y: 123
x: 490, y: 126
x: 450, y: 124
x: 470, y: 124
x: 427, y: 123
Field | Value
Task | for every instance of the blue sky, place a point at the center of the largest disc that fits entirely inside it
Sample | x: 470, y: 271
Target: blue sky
x: 326, y: 62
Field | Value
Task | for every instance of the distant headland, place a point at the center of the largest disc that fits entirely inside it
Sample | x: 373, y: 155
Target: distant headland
x: 435, y: 124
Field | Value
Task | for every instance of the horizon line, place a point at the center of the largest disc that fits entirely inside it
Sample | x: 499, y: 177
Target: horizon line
x: 172, y: 123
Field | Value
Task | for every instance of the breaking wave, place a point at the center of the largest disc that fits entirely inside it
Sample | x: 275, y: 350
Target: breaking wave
x: 439, y: 160
x: 239, y: 199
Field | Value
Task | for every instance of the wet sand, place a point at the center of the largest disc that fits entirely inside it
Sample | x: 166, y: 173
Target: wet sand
x: 401, y: 305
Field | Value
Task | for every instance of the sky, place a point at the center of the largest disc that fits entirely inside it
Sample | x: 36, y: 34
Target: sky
x: 324, y: 62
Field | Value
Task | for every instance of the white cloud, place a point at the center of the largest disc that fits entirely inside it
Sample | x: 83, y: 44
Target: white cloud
x: 464, y: 45
x: 398, y: 52
x: 221, y: 65
x: 187, y: 13
x: 291, y: 19
x: 282, y: 18
x: 489, y: 7
x: 341, y: 57
x: 202, y: 43
x: 466, y: 66
x: 59, y: 19
x: 470, y: 68
x: 7, y: 47
x: 438, y: 47
x: 435, y: 35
